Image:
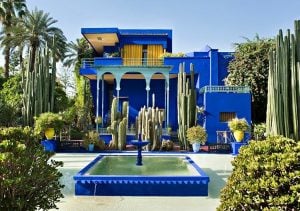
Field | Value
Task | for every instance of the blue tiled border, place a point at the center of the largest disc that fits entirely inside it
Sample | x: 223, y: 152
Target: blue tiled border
x: 135, y: 185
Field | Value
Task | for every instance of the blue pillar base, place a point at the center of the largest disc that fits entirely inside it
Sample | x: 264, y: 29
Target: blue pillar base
x: 236, y: 147
x: 49, y: 145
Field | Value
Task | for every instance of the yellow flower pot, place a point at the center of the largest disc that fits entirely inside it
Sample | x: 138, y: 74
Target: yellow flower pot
x: 49, y: 133
x: 238, y: 135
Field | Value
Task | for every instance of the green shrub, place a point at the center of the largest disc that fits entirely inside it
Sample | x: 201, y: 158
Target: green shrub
x: 29, y: 180
x: 196, y: 134
x: 259, y: 131
x: 166, y: 145
x: 266, y: 176
x: 17, y: 134
x: 238, y: 124
x: 48, y: 120
x: 92, y: 137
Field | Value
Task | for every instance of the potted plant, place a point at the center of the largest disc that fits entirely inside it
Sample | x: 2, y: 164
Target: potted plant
x: 238, y: 127
x: 196, y: 135
x: 47, y: 124
x: 91, y: 140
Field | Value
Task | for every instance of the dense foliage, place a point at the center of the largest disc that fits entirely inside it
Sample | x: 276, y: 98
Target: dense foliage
x: 48, y: 120
x: 250, y: 67
x: 266, y: 176
x: 238, y: 124
x: 29, y: 180
x: 196, y: 134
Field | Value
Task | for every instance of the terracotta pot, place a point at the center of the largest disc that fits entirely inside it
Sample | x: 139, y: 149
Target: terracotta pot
x: 49, y: 133
x: 238, y: 135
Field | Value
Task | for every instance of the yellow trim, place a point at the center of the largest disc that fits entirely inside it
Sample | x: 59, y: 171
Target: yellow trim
x: 153, y: 53
x: 132, y: 52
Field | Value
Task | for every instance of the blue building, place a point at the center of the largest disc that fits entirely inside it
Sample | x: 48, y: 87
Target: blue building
x: 129, y: 66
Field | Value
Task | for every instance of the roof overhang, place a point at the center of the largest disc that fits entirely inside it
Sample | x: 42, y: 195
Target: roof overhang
x: 100, y: 37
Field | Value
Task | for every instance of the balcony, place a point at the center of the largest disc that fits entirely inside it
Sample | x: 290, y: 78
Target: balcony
x: 227, y: 89
x: 118, y: 61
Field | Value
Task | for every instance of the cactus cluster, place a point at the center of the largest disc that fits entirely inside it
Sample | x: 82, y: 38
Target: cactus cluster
x: 283, y: 109
x: 119, y: 124
x: 149, y: 125
x: 39, y: 86
x: 186, y: 100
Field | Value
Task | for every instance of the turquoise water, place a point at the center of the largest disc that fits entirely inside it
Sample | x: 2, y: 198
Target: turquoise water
x: 152, y: 166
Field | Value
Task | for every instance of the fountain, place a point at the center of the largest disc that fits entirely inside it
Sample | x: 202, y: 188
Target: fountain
x: 139, y: 143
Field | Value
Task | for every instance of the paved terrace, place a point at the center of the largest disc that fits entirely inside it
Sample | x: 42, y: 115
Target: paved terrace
x: 217, y: 167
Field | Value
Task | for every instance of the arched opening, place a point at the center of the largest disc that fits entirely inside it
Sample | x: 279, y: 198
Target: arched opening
x: 133, y: 90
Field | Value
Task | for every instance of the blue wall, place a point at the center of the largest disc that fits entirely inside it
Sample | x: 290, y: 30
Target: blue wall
x: 214, y: 103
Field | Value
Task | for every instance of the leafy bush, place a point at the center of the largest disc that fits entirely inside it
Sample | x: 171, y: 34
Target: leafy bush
x: 166, y: 145
x: 167, y: 54
x: 92, y: 137
x: 29, y: 180
x: 266, y: 176
x: 47, y: 120
x: 259, y: 131
x: 238, y: 124
x: 196, y: 134
x: 17, y: 134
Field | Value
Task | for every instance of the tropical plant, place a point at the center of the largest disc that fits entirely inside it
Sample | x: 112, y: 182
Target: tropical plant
x: 167, y: 54
x: 166, y: 145
x: 186, y: 103
x: 9, y: 9
x: 238, y: 124
x: 47, y: 120
x: 92, y: 137
x: 29, y: 178
x: 76, y: 51
x: 36, y: 30
x: 250, y: 68
x: 196, y: 134
x: 283, y: 110
x: 259, y: 131
x: 266, y: 176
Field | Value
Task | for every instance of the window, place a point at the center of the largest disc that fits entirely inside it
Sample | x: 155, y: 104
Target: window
x: 226, y: 116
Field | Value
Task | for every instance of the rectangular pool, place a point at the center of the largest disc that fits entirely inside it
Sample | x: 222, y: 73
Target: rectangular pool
x: 161, y: 175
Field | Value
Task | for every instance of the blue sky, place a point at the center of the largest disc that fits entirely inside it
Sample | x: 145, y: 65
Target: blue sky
x: 195, y: 23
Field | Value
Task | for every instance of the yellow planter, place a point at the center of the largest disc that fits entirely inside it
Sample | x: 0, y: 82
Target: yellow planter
x: 238, y: 135
x: 49, y: 133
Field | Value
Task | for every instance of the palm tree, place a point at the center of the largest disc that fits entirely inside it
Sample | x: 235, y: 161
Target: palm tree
x: 76, y: 51
x: 36, y: 30
x: 10, y: 9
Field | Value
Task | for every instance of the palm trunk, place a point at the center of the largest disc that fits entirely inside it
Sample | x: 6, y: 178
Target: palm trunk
x: 32, y: 58
x: 7, y: 59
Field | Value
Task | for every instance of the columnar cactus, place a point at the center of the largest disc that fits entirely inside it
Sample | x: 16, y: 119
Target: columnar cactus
x: 118, y: 127
x: 149, y: 123
x: 186, y: 104
x: 283, y: 109
x: 39, y: 86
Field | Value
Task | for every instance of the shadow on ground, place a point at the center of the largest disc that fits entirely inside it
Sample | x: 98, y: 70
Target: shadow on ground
x: 218, y: 180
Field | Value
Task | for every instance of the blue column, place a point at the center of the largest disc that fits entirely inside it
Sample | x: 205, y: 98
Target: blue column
x: 97, y: 101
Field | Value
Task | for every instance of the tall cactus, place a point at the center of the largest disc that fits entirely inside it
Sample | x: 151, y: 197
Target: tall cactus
x: 119, y: 124
x: 39, y: 86
x: 149, y: 124
x: 186, y: 103
x: 283, y: 109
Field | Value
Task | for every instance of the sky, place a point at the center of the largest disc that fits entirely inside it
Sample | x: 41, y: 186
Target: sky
x: 195, y: 23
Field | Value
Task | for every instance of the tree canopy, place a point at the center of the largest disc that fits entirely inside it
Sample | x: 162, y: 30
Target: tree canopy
x: 250, y: 67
